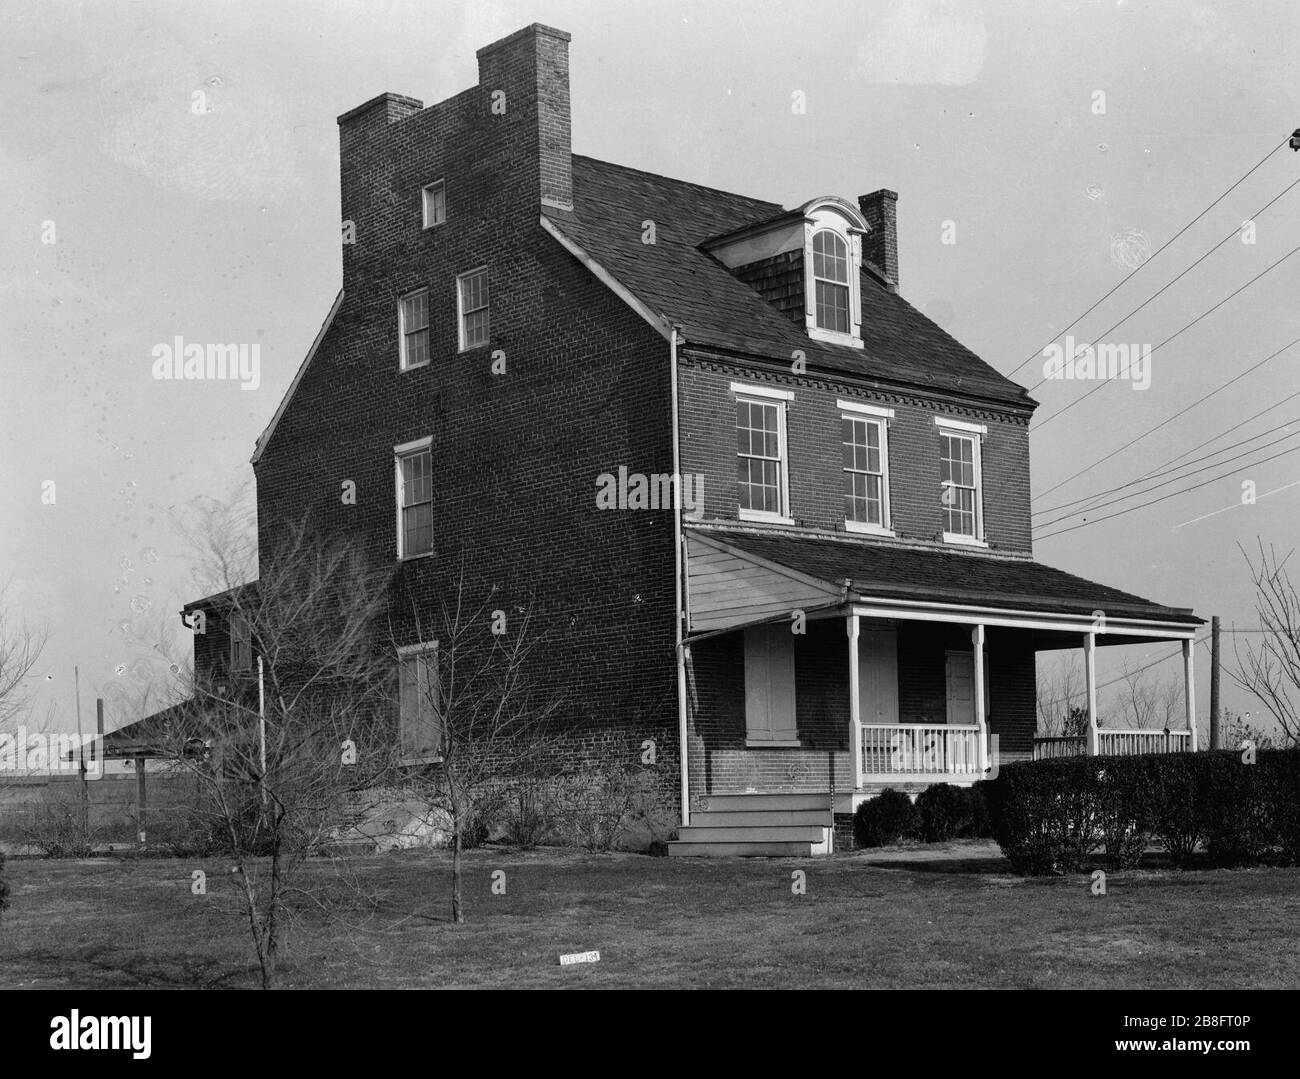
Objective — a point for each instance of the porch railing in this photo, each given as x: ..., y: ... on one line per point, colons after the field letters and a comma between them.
x: 919, y: 749
x: 1115, y: 743
x: 1046, y: 748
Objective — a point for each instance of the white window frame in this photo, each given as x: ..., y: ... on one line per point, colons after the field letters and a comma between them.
x: 404, y: 653
x: 975, y: 434
x: 403, y: 358
x: 407, y: 449
x: 461, y: 312
x: 440, y: 187
x: 768, y: 395
x: 860, y: 411
x: 828, y: 218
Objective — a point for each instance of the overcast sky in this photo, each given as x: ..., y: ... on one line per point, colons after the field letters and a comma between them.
x: 983, y: 116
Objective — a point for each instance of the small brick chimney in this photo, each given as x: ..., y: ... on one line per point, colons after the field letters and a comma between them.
x: 531, y: 68
x: 880, y: 245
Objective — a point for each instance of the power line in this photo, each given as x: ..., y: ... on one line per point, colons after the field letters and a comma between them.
x: 1234, y: 505
x: 1154, y: 256
x: 1101, y: 505
x: 1127, y: 675
x: 1177, y: 333
x: 1162, y: 498
x: 1158, y: 469
x: 1176, y: 415
x: 1235, y: 232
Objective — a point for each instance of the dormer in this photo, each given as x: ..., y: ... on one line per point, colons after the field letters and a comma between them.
x: 807, y: 263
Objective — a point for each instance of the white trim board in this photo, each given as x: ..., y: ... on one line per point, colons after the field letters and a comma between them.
x: 656, y: 321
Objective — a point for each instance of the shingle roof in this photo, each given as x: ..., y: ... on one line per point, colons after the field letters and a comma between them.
x: 715, y: 310
x: 896, y: 572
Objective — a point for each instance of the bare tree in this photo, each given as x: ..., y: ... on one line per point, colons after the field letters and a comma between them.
x: 1136, y: 698
x: 21, y: 646
x: 473, y: 717
x: 1239, y: 729
x: 1270, y: 667
x: 1061, y: 699
x: 276, y: 756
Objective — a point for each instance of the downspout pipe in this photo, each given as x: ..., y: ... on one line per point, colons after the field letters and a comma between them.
x: 679, y: 614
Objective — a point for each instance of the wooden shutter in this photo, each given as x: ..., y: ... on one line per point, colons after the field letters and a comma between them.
x: 961, y: 688
x: 878, y: 675
x: 420, y: 726
x: 769, y: 684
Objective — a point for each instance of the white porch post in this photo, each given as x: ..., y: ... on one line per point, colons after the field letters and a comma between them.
x: 1189, y: 689
x: 855, y: 703
x: 1090, y: 679
x: 981, y: 720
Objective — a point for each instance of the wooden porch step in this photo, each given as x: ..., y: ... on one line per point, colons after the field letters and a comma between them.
x: 735, y: 803
x: 679, y: 849
x: 761, y: 834
x: 778, y: 818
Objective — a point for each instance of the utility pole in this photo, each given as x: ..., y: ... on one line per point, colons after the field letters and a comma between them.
x: 261, y: 729
x: 81, y: 751
x: 97, y: 747
x: 1215, y: 742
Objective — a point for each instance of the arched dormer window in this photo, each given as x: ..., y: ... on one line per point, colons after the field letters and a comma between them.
x: 833, y: 231
x: 831, y: 290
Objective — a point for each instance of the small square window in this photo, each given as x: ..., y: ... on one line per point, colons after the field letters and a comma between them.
x: 472, y: 296
x: 434, y: 202
x: 413, y: 324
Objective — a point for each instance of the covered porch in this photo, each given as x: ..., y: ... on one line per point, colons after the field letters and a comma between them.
x: 832, y: 668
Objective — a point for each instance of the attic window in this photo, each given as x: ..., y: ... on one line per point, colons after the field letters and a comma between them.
x: 831, y: 282
x: 832, y: 259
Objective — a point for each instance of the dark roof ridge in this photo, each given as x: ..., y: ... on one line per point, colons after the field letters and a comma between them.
x: 681, y: 183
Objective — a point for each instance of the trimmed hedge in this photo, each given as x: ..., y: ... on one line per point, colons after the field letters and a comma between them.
x: 885, y: 819
x: 1053, y: 816
x: 948, y: 812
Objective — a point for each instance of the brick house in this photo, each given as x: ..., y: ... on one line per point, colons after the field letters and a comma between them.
x: 531, y: 346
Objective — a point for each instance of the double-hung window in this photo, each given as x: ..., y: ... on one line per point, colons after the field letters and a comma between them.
x: 831, y: 291
x: 414, y: 498
x: 762, y: 467
x: 960, y: 476
x: 433, y: 204
x: 865, y: 452
x: 413, y: 324
x: 472, y: 298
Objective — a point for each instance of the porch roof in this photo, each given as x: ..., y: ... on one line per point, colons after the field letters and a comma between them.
x: 851, y: 570
x: 145, y: 737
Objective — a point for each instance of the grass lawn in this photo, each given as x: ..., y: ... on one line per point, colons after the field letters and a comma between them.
x: 945, y: 916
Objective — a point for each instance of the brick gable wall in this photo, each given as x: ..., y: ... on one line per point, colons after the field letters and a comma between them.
x: 515, y: 456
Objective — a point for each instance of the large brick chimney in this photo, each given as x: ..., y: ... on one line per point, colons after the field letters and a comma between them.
x: 531, y: 69
x: 501, y: 149
x: 880, y: 245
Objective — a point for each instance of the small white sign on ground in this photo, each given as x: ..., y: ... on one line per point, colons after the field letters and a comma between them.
x: 579, y: 957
